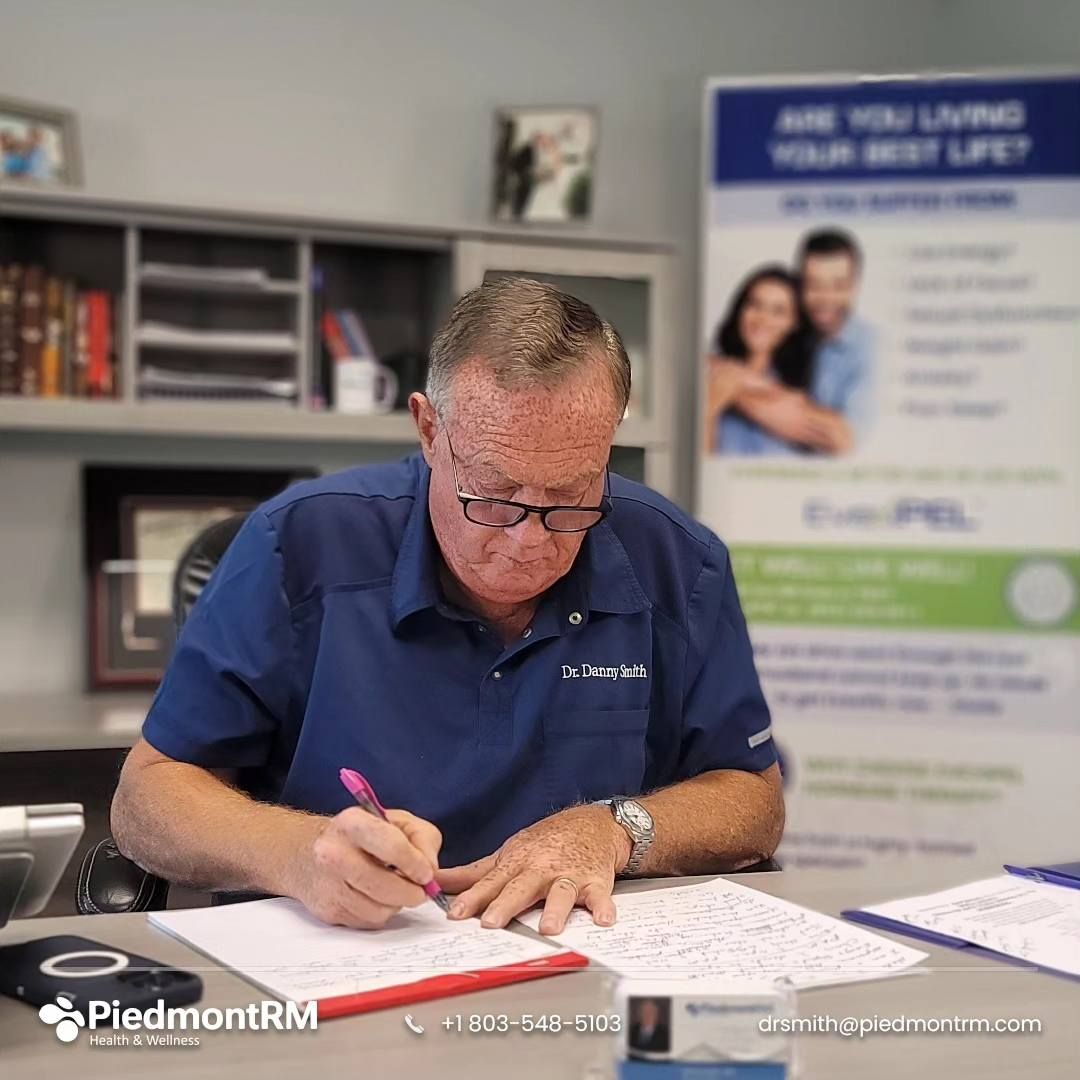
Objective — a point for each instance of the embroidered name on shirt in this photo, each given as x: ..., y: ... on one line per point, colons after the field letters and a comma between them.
x: 593, y: 671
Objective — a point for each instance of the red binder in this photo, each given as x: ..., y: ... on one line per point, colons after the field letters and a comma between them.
x: 441, y: 986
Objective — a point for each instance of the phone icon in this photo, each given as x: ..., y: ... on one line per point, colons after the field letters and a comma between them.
x: 413, y: 1026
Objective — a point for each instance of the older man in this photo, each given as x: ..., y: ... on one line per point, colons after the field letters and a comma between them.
x: 496, y: 632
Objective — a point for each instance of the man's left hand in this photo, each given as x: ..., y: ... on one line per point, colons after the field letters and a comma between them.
x: 568, y: 859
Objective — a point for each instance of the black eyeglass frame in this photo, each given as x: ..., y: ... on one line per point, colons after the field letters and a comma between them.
x: 466, y: 499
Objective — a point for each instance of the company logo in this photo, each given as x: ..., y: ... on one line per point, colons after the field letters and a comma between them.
x: 931, y: 515
x: 65, y: 1019
x: 157, y: 1024
x: 716, y: 1008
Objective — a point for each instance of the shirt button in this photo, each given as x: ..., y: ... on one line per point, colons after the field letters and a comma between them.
x: 575, y: 618
x: 527, y: 632
x: 481, y: 628
x: 496, y: 674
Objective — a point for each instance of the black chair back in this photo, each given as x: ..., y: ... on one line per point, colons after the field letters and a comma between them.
x: 198, y: 562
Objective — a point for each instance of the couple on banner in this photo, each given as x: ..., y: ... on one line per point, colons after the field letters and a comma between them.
x: 791, y: 367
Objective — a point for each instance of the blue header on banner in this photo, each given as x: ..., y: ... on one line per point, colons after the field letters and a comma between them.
x: 956, y: 128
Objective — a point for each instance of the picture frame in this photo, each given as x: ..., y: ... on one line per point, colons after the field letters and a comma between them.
x: 39, y: 145
x: 138, y: 521
x: 544, y: 163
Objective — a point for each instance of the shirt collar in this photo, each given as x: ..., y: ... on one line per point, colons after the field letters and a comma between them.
x: 601, y: 579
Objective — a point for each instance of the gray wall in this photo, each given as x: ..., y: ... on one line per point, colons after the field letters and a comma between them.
x: 382, y: 110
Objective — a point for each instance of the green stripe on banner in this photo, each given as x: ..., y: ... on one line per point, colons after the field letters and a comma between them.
x: 910, y: 588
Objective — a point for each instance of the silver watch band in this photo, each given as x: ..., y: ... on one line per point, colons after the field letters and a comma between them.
x: 641, y: 834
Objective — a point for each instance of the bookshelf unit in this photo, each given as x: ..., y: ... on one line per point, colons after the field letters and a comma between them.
x: 402, y: 280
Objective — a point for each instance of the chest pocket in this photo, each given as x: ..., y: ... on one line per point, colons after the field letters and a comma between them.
x: 591, y: 754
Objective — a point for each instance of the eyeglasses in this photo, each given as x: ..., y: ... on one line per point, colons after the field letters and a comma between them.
x: 503, y: 513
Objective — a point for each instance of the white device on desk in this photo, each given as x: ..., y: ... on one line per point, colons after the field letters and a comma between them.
x: 36, y: 844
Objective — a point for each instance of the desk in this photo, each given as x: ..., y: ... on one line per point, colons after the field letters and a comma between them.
x: 378, y: 1046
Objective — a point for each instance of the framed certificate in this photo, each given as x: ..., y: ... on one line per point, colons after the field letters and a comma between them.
x: 138, y: 524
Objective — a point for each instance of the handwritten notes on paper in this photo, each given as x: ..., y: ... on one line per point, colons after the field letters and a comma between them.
x: 721, y: 929
x: 279, y: 946
x: 1033, y: 921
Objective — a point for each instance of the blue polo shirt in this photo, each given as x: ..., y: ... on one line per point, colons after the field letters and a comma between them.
x: 323, y: 640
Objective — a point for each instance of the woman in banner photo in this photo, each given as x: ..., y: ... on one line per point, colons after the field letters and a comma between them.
x: 791, y: 368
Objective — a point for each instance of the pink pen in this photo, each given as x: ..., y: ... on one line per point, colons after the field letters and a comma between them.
x: 365, y: 796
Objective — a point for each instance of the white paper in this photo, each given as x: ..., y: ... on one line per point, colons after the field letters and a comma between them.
x: 157, y: 378
x: 721, y: 929
x: 1033, y: 921
x: 228, y: 274
x: 159, y: 333
x: 279, y: 946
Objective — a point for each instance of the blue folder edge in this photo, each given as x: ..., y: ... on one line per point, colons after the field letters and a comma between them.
x: 1068, y: 873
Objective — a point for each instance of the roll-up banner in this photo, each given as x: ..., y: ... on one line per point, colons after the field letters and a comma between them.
x: 891, y: 449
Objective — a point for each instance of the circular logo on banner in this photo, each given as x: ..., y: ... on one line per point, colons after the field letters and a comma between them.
x: 1041, y: 592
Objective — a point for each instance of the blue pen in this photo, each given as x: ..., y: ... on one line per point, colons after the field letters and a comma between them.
x: 1066, y: 874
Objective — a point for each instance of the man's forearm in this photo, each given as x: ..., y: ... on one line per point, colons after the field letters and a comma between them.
x: 187, y: 826
x: 716, y: 822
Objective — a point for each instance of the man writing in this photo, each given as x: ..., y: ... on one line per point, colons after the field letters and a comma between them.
x: 438, y: 624
x: 836, y: 411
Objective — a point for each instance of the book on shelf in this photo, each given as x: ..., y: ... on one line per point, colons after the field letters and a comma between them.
x: 345, y: 336
x: 52, y: 343
x: 31, y: 330
x: 10, y: 362
x: 56, y: 339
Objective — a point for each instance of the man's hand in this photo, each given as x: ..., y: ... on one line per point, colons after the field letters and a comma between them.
x: 343, y: 875
x: 570, y: 858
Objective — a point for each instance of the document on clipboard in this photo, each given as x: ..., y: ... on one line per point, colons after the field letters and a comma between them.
x: 1030, y: 915
x: 419, y: 955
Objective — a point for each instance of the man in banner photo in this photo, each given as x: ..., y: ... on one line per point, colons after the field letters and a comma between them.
x: 791, y: 369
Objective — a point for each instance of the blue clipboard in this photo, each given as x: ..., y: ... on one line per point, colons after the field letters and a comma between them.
x: 1066, y: 874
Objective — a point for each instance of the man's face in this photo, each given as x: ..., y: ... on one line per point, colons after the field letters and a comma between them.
x: 648, y: 1013
x: 540, y: 446
x: 829, y: 286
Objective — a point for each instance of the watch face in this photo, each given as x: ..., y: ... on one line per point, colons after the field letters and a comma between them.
x: 637, y: 815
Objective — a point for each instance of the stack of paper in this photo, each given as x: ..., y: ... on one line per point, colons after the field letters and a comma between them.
x: 279, y: 946
x: 166, y: 335
x: 720, y: 928
x: 167, y: 383
x: 716, y: 929
x: 224, y: 275
x: 1028, y: 920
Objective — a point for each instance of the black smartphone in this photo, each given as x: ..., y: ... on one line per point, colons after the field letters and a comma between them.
x: 82, y: 971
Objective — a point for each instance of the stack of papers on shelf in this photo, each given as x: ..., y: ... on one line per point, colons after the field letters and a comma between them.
x: 156, y: 382
x: 220, y: 275
x: 169, y: 336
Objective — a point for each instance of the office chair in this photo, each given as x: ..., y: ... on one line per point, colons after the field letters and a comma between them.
x: 108, y: 882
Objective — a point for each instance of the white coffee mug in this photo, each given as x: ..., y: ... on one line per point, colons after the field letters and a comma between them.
x: 363, y: 386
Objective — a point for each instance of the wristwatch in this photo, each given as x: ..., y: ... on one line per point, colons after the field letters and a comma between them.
x: 638, y: 823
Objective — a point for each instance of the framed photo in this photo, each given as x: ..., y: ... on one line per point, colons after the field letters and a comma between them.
x: 39, y: 144
x: 138, y: 523
x: 544, y: 163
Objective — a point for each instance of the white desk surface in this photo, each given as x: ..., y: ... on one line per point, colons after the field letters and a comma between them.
x: 378, y: 1046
